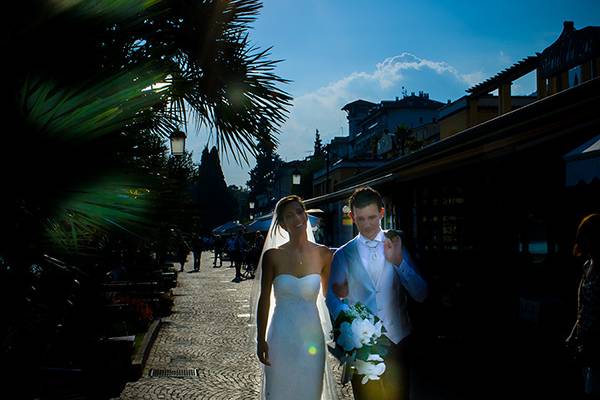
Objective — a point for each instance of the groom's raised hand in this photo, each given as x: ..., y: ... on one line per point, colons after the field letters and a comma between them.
x: 392, y: 248
x: 262, y: 350
x: 340, y: 289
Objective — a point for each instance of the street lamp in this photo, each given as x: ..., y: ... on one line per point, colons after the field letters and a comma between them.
x: 296, y: 177
x: 177, y: 143
x: 251, y: 206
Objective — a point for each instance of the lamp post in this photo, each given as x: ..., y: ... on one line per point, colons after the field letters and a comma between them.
x: 251, y: 206
x: 177, y: 143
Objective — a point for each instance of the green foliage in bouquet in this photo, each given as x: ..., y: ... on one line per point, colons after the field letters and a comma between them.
x: 379, y: 346
x: 360, y: 343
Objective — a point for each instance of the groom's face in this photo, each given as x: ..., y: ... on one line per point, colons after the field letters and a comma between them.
x: 367, y: 219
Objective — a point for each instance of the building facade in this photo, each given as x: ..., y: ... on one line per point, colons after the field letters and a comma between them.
x: 490, y: 213
x: 371, y: 132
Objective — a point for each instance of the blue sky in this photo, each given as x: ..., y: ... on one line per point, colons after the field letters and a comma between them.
x: 336, y: 51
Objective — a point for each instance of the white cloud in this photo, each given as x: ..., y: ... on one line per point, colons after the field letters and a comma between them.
x: 473, y: 78
x: 321, y: 108
x: 388, y: 72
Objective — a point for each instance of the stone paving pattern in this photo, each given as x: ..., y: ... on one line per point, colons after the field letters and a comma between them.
x: 208, y: 331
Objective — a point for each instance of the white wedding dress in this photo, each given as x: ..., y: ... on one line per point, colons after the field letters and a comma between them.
x: 295, y: 339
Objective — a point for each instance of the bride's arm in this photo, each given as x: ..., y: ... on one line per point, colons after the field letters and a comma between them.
x: 264, y: 302
x: 326, y: 257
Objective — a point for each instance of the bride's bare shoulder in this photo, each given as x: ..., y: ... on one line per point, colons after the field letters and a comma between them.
x: 323, y: 250
x: 272, y: 254
x: 321, y: 247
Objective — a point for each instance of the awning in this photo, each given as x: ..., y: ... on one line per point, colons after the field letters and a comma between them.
x: 260, y: 224
x: 228, y: 228
x: 345, y: 193
x: 583, y: 163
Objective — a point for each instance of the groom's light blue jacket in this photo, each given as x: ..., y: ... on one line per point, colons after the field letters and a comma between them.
x: 386, y: 297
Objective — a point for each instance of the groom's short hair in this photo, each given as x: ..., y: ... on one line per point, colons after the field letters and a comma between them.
x: 365, y: 196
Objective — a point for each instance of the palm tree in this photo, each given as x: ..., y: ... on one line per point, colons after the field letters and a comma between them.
x: 91, y: 89
x: 89, y: 83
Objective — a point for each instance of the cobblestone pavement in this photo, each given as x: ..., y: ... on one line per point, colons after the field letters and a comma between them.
x: 207, y: 332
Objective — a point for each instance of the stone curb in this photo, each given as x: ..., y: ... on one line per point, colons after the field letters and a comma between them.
x: 140, y: 358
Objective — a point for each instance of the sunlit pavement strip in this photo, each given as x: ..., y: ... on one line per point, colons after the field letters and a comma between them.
x: 207, y: 331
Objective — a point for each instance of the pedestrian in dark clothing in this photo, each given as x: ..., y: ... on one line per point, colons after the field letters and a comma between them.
x: 255, y: 251
x: 219, y: 245
x: 585, y: 335
x: 197, y: 248
x: 237, y: 250
x: 182, y: 251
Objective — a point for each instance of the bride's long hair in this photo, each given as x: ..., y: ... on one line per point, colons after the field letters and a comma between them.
x: 280, y: 208
x: 276, y: 237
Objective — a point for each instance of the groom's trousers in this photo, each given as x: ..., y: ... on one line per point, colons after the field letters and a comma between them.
x: 394, y: 384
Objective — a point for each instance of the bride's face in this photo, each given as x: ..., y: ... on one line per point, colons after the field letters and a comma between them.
x: 294, y: 218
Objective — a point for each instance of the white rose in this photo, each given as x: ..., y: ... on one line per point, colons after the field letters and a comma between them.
x: 370, y: 370
x: 378, y: 327
x: 362, y: 330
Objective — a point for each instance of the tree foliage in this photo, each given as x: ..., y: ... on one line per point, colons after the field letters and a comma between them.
x: 94, y: 87
x: 241, y: 196
x: 318, y: 150
x: 262, y: 176
x: 213, y: 200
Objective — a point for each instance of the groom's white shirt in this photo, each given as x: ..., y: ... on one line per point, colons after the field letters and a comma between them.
x: 376, y: 283
x: 371, y: 254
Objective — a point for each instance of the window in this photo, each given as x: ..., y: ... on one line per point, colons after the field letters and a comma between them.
x: 390, y: 218
x: 442, y: 220
x: 534, y: 240
x: 575, y: 76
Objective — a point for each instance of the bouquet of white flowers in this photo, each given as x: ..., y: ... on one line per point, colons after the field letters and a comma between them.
x: 360, y: 342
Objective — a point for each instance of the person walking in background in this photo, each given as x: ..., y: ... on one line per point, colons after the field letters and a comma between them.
x: 182, y: 251
x: 585, y: 335
x: 237, y: 254
x: 219, y: 244
x: 255, y: 251
x: 197, y: 247
x: 230, y: 249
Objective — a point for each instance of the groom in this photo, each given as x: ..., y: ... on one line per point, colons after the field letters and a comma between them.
x: 373, y: 270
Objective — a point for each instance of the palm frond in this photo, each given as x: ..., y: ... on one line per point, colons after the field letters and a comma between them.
x: 95, y: 109
x: 111, y: 10
x: 116, y: 202
x: 228, y: 84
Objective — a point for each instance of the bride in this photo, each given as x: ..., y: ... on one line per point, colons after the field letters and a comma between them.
x: 291, y: 334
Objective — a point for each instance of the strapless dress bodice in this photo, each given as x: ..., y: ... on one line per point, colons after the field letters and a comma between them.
x: 289, y: 287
